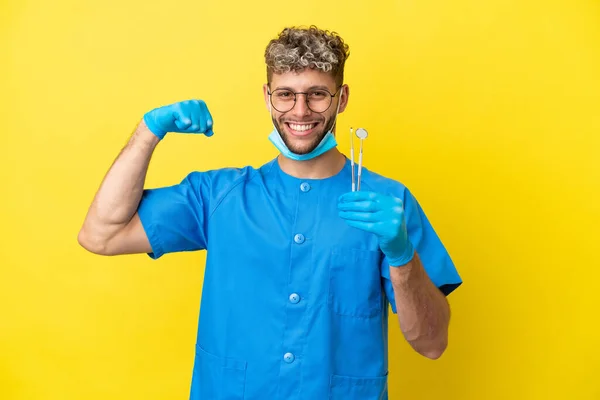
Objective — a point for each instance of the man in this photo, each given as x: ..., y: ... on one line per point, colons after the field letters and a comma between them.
x: 300, y: 269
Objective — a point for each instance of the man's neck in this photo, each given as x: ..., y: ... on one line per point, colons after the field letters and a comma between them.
x: 324, y: 166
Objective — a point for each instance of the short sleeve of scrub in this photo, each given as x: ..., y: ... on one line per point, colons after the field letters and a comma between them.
x: 174, y: 217
x: 433, y: 255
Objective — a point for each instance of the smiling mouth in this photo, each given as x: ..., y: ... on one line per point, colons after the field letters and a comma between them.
x: 301, y: 129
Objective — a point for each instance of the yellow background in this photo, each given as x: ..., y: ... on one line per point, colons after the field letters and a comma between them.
x: 488, y: 110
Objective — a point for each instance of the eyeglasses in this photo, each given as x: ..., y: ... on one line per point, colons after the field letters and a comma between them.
x: 317, y: 100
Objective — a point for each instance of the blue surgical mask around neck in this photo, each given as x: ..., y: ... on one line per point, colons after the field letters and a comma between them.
x: 327, y: 143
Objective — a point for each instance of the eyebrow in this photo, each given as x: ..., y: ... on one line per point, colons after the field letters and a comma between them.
x: 322, y: 87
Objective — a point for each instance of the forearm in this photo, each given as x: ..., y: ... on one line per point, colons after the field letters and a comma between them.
x: 120, y: 192
x: 422, y: 309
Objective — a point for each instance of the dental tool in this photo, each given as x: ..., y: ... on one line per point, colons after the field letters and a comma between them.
x: 361, y: 134
x: 352, y: 159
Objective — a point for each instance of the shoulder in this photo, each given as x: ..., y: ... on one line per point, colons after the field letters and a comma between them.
x: 226, y: 178
x: 214, y: 185
x: 218, y: 182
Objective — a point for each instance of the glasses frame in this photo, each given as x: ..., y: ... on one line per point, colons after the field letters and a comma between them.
x: 305, y: 99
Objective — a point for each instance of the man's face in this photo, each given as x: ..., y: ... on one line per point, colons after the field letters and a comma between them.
x: 301, y: 128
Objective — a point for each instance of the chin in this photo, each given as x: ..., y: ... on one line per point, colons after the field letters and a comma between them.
x: 302, y: 146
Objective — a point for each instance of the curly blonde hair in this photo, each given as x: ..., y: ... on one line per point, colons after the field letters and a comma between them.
x: 297, y: 48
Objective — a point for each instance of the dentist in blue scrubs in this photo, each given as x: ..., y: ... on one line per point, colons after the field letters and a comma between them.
x: 300, y: 271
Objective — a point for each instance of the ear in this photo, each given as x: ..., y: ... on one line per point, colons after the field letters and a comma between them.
x: 266, y: 95
x: 344, y: 96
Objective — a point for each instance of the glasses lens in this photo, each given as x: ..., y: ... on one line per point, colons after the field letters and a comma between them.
x: 319, y: 100
x: 283, y: 100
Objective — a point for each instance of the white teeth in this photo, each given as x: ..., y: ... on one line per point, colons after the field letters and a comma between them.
x: 301, y: 128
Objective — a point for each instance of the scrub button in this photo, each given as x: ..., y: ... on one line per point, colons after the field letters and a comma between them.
x: 299, y: 238
x: 288, y: 358
x: 305, y: 187
x: 294, y: 298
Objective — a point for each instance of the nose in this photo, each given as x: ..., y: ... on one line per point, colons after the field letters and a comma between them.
x: 301, y: 107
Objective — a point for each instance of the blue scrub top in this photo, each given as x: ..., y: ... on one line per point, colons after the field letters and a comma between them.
x: 295, y: 302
